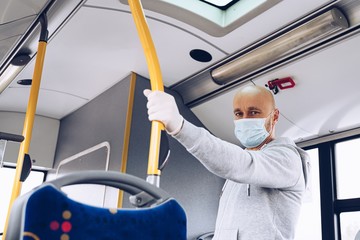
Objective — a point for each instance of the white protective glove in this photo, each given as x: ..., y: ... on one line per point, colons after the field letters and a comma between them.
x: 162, y: 107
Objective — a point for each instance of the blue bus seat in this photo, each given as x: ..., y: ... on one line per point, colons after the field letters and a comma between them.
x: 47, y: 213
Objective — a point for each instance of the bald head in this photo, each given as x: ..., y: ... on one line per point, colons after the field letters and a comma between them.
x: 253, y: 91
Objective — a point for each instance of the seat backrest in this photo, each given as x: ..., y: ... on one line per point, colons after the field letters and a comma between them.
x: 47, y: 213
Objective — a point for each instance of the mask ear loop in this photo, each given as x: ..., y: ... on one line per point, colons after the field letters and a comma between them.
x: 275, y: 120
x: 267, y: 140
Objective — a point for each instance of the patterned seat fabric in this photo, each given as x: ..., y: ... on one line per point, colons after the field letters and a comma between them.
x: 50, y: 214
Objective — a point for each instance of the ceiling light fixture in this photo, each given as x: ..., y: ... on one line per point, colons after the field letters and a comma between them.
x: 12, y: 70
x: 316, y: 29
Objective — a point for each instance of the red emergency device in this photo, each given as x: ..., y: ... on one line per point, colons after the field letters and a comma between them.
x: 280, y: 83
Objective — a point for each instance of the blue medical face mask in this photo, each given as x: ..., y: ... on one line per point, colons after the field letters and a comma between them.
x: 251, y: 132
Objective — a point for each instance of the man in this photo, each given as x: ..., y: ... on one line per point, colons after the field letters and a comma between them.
x: 265, y: 182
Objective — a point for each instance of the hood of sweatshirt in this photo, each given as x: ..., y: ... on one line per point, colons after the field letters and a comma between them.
x: 305, y: 158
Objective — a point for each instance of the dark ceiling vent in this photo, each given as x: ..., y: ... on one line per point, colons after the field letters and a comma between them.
x: 200, y: 55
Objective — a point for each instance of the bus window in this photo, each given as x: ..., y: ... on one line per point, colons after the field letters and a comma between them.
x: 350, y: 225
x: 7, y: 175
x: 309, y: 224
x: 347, y: 155
x: 347, y: 162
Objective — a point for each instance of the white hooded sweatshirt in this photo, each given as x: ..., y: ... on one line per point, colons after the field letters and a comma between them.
x: 262, y: 195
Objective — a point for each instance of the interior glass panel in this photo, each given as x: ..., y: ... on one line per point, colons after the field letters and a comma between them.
x: 309, y: 224
x: 347, y: 160
x: 350, y: 225
x: 7, y: 175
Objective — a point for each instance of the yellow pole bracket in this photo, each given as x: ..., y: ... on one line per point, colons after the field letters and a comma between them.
x: 155, y: 81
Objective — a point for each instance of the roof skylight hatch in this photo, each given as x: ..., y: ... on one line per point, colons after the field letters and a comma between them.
x: 215, y: 17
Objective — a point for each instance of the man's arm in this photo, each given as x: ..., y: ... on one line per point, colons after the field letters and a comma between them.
x: 274, y: 167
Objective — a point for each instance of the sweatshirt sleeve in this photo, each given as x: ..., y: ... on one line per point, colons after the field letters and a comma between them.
x: 276, y: 166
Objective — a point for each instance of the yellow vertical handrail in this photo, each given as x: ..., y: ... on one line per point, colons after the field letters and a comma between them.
x: 155, y: 81
x: 125, y: 149
x: 30, y: 115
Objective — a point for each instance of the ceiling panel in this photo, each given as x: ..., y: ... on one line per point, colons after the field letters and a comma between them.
x: 105, y: 35
x: 96, y: 49
x: 12, y: 10
x: 16, y: 17
x: 50, y: 104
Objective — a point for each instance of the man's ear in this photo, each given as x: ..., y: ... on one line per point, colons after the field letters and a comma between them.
x: 276, y: 115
